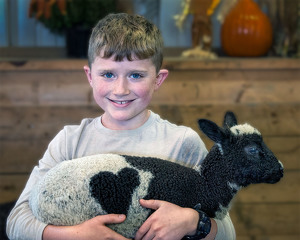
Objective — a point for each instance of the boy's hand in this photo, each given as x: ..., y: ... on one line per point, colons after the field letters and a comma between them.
x: 94, y: 228
x: 169, y: 221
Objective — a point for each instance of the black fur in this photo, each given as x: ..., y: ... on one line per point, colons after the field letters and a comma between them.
x: 184, y: 186
x: 229, y: 120
x: 165, y: 185
x: 114, y: 192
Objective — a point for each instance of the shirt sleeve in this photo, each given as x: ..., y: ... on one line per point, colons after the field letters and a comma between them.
x: 193, y: 149
x: 21, y: 223
x: 226, y: 229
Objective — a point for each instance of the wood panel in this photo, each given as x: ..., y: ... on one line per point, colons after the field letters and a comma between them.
x: 171, y: 63
x: 11, y: 186
x: 266, y: 219
x: 19, y: 156
x: 32, y: 122
x: 270, y: 119
x: 286, y: 190
x: 257, y: 64
x: 204, y: 87
x: 44, y: 88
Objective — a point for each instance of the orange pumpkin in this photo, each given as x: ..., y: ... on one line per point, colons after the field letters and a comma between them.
x: 246, y: 31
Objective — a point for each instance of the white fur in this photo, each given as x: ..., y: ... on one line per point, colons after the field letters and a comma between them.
x: 220, y: 148
x: 280, y: 163
x: 234, y: 186
x: 198, y: 168
x: 222, y: 212
x: 244, y: 129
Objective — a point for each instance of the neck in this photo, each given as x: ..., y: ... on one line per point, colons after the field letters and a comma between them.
x: 219, y: 188
x: 114, y: 123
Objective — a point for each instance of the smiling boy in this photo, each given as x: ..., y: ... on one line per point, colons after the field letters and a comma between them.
x: 124, y: 71
x: 124, y: 90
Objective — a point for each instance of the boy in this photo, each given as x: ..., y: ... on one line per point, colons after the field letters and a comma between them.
x: 125, y: 57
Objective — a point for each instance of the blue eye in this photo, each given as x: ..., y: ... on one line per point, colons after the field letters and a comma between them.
x: 136, y: 75
x: 108, y: 75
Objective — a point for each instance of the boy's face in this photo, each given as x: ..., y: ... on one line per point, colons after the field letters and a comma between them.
x: 124, y: 90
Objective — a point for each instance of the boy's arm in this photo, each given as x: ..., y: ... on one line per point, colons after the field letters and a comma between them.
x: 21, y: 223
x: 92, y: 229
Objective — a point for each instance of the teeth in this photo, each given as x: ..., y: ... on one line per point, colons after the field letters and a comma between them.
x: 121, y: 102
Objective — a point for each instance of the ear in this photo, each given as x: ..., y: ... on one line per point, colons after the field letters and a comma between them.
x: 211, y: 130
x: 229, y: 120
x: 160, y: 78
x: 88, y: 74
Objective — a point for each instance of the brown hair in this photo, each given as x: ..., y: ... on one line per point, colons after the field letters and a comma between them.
x: 122, y: 35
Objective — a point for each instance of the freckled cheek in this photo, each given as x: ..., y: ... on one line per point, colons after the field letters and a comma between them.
x: 100, y: 90
x: 144, y: 93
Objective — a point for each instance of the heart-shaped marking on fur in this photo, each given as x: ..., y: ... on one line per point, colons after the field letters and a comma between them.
x: 114, y: 191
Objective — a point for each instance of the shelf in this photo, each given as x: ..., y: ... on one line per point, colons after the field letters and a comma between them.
x: 171, y: 63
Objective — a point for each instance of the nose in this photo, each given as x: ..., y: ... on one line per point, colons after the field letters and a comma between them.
x: 120, y: 87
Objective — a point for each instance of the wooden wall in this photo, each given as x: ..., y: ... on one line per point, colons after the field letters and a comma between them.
x: 37, y: 98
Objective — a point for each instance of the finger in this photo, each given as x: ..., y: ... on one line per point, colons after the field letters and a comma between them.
x: 117, y: 236
x: 143, y: 230
x: 153, y: 204
x: 112, y: 218
x: 148, y: 236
